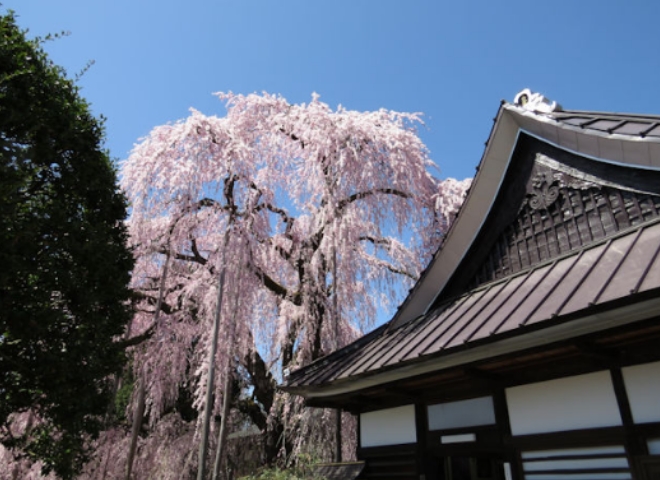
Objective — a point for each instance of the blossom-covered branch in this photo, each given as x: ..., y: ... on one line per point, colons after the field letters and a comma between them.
x: 331, y: 211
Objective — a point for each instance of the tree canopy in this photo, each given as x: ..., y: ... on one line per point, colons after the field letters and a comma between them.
x: 316, y: 217
x: 65, y: 266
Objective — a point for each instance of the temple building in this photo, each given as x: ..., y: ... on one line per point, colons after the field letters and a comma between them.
x: 529, y: 349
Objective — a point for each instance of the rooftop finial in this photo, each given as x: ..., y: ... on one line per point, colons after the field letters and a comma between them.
x: 535, y: 102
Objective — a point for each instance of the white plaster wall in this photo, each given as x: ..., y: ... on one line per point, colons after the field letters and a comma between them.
x: 643, y: 388
x: 572, y: 403
x: 464, y: 413
x: 388, y: 427
x: 654, y: 446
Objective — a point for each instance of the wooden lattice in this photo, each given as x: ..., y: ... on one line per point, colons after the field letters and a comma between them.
x: 550, y: 226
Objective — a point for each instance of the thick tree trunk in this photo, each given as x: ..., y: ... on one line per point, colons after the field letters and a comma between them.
x: 274, y: 441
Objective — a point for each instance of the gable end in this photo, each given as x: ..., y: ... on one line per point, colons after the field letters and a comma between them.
x: 551, y: 203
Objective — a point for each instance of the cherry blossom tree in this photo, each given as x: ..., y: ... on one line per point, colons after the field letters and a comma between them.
x: 315, y: 218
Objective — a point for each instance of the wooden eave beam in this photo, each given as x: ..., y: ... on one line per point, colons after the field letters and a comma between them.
x: 602, y: 355
x: 479, y: 374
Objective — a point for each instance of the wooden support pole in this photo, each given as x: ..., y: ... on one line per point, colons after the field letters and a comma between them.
x: 208, y: 405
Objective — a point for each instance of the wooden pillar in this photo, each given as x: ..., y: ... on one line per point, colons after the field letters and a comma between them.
x: 635, y: 446
x: 504, y: 428
x: 338, y: 439
x: 421, y: 425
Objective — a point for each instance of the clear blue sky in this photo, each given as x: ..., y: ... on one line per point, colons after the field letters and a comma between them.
x: 454, y: 61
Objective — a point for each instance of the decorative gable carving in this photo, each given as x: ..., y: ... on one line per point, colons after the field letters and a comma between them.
x: 545, y: 191
x: 563, y: 209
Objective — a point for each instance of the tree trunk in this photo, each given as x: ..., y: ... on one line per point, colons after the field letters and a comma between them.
x: 274, y: 438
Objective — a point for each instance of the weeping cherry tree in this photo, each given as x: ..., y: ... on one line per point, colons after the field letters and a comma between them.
x: 317, y: 217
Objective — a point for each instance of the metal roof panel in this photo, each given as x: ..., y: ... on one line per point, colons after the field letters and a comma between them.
x: 560, y: 278
x: 600, y: 272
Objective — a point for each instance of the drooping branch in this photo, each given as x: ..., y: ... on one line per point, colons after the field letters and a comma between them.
x: 315, y: 240
x: 277, y: 288
x: 340, y: 162
x: 279, y: 211
x: 397, y: 271
x: 198, y: 256
x: 360, y: 195
x: 271, y: 284
x: 293, y: 137
x: 375, y: 241
x: 161, y: 305
x: 283, y: 214
x: 139, y: 295
x: 208, y: 202
x: 386, y: 242
x: 138, y: 339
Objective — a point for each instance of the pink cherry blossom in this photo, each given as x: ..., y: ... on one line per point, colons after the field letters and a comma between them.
x: 331, y: 216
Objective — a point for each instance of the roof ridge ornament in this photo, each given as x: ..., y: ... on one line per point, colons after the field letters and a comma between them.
x: 535, y: 102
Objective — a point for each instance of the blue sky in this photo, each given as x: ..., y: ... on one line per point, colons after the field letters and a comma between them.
x: 454, y: 61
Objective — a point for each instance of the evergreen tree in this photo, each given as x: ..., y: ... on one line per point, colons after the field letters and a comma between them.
x: 64, y: 264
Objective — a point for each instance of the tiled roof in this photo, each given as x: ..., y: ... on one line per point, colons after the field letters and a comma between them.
x: 621, y: 268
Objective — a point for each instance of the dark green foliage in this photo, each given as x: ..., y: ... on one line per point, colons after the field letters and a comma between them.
x: 123, y: 397
x: 64, y: 266
x: 275, y: 473
x: 302, y: 470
